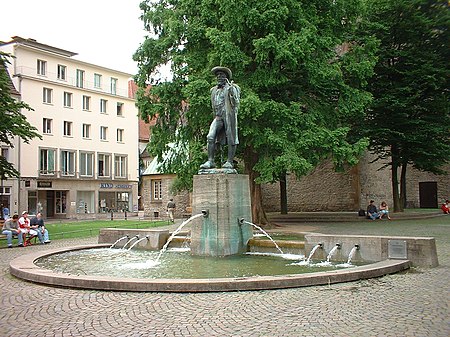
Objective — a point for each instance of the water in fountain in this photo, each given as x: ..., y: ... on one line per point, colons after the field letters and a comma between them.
x: 265, y: 233
x: 133, y: 238
x: 352, y: 254
x: 115, y: 243
x: 134, y: 244
x: 178, y: 230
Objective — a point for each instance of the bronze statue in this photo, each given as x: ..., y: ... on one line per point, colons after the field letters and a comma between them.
x: 223, y: 130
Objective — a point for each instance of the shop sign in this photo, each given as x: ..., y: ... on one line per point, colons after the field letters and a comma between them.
x: 106, y: 185
x: 123, y: 186
x: 44, y: 184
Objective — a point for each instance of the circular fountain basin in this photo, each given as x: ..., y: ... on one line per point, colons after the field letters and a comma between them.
x: 25, y: 267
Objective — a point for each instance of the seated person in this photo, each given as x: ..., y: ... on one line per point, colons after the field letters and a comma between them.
x: 37, y: 223
x: 384, y: 210
x: 10, y: 228
x: 372, y: 211
x: 446, y: 207
x: 24, y: 227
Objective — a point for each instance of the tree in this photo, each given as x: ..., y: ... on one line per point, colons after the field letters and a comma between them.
x: 409, y: 120
x: 301, y: 70
x: 13, y: 122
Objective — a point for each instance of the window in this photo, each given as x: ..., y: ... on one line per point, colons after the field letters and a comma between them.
x: 86, y: 131
x: 157, y: 189
x: 103, y: 105
x: 86, y: 103
x: 104, y: 165
x: 113, y: 86
x: 60, y: 202
x: 103, y: 132
x: 120, y: 135
x: 47, y: 94
x: 47, y: 125
x: 119, y: 109
x: 67, y: 163
x: 61, y: 72
x: 120, y: 166
x: 80, y: 78
x: 41, y: 67
x: 47, y: 161
x: 5, y: 152
x: 86, y: 164
x: 97, y: 81
x: 67, y: 99
x: 67, y: 128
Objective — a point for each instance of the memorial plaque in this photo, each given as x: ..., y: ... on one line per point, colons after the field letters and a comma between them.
x: 397, y: 249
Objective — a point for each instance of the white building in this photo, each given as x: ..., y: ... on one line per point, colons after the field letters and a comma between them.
x: 87, y: 161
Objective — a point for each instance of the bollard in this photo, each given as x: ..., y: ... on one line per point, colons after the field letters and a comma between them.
x: 126, y: 215
x: 112, y: 216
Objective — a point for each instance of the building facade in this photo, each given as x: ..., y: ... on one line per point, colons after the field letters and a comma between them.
x: 86, y: 163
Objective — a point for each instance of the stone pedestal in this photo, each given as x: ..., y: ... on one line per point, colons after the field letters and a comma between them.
x: 226, y: 197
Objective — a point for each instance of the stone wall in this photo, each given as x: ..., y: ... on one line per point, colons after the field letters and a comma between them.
x: 322, y: 190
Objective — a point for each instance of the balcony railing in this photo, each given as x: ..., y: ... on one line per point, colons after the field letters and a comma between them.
x: 72, y: 81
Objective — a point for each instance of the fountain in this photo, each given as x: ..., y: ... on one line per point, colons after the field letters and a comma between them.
x: 352, y: 254
x: 332, y: 251
x: 220, y: 201
x: 242, y: 222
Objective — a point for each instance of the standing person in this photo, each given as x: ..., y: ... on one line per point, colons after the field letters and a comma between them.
x: 5, y: 211
x: 225, y: 98
x: 37, y: 223
x: 372, y: 211
x: 10, y: 228
x: 171, y: 209
x: 24, y: 227
x: 384, y: 210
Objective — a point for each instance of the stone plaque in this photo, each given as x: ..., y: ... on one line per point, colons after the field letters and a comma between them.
x: 397, y: 249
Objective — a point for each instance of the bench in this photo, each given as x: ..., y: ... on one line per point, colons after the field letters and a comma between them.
x: 187, y: 213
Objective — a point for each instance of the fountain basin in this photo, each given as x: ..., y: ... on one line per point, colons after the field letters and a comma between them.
x: 25, y: 268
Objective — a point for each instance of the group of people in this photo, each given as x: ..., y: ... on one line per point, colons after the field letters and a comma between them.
x: 25, y: 229
x: 377, y: 213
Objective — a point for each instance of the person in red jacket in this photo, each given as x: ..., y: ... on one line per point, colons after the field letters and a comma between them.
x: 446, y: 207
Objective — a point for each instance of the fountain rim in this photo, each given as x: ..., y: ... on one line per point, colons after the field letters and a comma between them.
x: 24, y: 268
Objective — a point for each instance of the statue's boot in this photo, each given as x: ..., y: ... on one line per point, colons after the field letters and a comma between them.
x: 210, y: 163
x: 231, y: 152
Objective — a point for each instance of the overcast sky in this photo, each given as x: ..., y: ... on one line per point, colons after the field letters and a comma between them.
x: 102, y: 32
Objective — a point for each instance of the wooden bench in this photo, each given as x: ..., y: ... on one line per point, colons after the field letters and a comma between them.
x: 187, y: 213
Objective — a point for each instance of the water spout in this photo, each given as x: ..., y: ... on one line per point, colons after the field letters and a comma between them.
x: 122, y: 238
x: 242, y: 222
x: 319, y: 245
x: 164, y: 248
x: 134, y: 244
x: 332, y: 251
x: 132, y: 239
x: 352, y: 254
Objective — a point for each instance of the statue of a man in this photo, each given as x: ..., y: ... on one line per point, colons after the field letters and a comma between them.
x: 223, y: 130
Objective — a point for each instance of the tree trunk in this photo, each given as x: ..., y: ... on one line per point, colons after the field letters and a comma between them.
x: 283, y: 194
x: 394, y: 180
x: 258, y: 215
x: 403, y: 187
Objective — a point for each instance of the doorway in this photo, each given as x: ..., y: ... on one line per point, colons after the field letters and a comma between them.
x: 428, y: 194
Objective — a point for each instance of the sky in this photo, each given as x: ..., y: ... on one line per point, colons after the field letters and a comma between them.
x: 102, y: 32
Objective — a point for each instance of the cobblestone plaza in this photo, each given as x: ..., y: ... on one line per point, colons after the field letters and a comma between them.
x: 414, y: 303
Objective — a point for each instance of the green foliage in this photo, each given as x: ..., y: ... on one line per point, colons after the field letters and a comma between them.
x: 409, y: 121
x: 301, y: 69
x: 13, y: 122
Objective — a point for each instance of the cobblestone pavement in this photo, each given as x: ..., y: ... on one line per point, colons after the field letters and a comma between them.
x: 414, y: 303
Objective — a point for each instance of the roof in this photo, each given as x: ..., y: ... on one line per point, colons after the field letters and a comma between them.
x: 33, y: 43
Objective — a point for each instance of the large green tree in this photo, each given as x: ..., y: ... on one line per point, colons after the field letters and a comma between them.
x: 409, y: 121
x: 13, y: 122
x: 301, y: 69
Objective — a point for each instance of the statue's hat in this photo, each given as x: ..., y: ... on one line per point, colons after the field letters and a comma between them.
x: 223, y: 69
